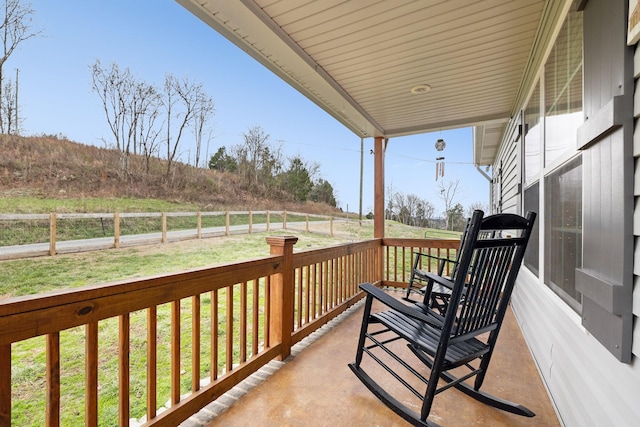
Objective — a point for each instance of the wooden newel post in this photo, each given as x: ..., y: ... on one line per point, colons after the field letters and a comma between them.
x: 282, y: 295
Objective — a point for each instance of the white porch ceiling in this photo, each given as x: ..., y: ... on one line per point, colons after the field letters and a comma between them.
x: 359, y: 59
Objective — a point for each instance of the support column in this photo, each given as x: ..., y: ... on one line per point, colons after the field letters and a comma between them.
x: 378, y: 188
x: 282, y: 295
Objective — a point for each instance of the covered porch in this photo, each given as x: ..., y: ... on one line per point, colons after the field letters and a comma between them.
x: 314, y: 386
x: 383, y: 69
x: 217, y: 327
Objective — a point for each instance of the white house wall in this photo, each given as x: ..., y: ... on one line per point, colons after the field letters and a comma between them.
x: 507, y: 191
x: 588, y: 385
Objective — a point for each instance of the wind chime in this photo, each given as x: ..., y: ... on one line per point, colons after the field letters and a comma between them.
x: 440, y: 145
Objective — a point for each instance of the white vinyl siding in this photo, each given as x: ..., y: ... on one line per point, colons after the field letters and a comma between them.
x: 507, y: 189
x: 588, y: 385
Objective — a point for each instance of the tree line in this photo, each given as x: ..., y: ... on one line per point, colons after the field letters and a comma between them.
x: 261, y: 167
x: 412, y: 210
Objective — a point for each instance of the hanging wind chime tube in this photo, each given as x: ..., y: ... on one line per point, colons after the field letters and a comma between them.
x: 440, y: 145
x: 439, y: 167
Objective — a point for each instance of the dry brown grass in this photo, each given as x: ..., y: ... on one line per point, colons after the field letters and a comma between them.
x: 54, y: 167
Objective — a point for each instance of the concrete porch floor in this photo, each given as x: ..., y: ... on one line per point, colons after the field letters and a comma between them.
x: 315, y: 387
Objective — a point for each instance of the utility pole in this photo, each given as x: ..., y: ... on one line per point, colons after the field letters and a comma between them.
x: 17, y: 132
x: 361, y: 172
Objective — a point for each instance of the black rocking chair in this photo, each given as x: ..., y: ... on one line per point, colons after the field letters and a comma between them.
x: 436, y: 296
x: 464, y: 338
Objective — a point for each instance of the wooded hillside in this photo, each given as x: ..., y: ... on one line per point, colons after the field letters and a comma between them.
x: 54, y: 167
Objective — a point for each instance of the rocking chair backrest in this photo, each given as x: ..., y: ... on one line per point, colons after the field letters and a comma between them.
x: 487, y: 270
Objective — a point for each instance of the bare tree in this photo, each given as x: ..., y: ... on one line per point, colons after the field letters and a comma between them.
x: 114, y: 87
x: 201, y: 117
x: 8, y: 108
x: 180, y: 103
x: 449, y: 190
x: 258, y: 161
x: 147, y: 112
x: 132, y: 110
x: 477, y: 206
x: 15, y: 27
x: 413, y: 202
x: 424, y: 212
x: 389, y: 194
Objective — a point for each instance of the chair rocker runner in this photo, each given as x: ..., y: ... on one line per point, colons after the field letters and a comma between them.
x: 462, y: 340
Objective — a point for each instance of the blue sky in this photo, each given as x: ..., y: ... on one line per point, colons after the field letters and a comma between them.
x: 156, y: 37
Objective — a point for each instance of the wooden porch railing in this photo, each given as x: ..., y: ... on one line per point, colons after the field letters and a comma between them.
x: 213, y: 327
x: 399, y: 256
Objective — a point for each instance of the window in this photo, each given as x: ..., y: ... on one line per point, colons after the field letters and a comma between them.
x: 551, y: 118
x: 563, y: 230
x: 563, y: 186
x: 563, y: 90
x: 532, y: 137
x: 532, y: 133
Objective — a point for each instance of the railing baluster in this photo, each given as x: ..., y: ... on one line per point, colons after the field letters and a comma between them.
x: 345, y: 274
x: 195, y: 343
x: 267, y: 310
x: 175, y: 352
x: 339, y: 278
x: 307, y: 293
x: 53, y: 379
x: 213, y: 374
x: 336, y: 272
x: 152, y: 361
x: 243, y: 322
x: 229, y: 330
x: 91, y: 375
x: 314, y: 292
x: 326, y: 278
x: 387, y: 273
x: 124, y: 369
x: 299, y: 299
x: 5, y: 384
x: 321, y: 290
x: 256, y: 317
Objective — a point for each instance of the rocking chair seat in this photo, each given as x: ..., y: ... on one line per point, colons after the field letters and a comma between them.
x: 425, y: 337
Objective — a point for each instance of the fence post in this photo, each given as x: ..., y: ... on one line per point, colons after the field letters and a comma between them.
x: 284, y: 220
x: 268, y: 220
x: 306, y: 217
x: 250, y: 221
x: 52, y: 234
x: 227, y: 225
x: 164, y: 227
x: 199, y: 233
x: 116, y: 230
x: 331, y: 226
x: 282, y: 295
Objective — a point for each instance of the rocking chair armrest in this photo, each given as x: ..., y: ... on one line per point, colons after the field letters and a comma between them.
x: 438, y: 279
x: 408, y: 310
x: 440, y: 258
